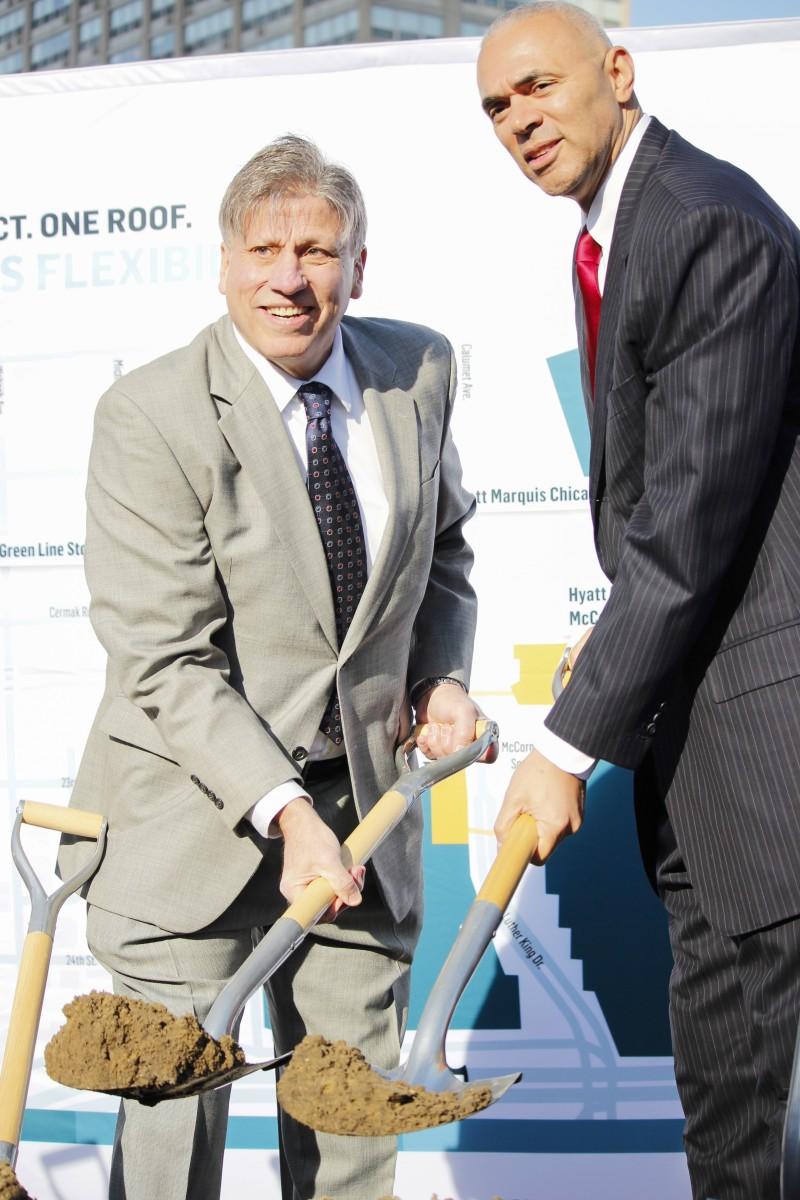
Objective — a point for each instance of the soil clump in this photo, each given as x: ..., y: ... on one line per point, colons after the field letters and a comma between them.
x: 331, y: 1087
x: 10, y: 1186
x: 111, y: 1043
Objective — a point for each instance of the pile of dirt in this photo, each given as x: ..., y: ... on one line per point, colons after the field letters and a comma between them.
x: 113, y: 1042
x: 10, y: 1186
x: 331, y: 1087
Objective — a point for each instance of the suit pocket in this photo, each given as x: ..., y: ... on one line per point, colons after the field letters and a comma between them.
x: 756, y: 662
x: 127, y: 723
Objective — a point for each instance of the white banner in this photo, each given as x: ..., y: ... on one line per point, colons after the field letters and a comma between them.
x: 108, y: 257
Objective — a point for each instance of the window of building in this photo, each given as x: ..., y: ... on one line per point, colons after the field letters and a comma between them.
x: 11, y: 22
x: 127, y: 16
x: 341, y: 28
x: 163, y: 44
x: 282, y: 42
x: 44, y: 10
x: 90, y: 33
x: 474, y: 28
x: 203, y: 30
x: 256, y: 11
x: 11, y: 63
x: 129, y: 54
x: 394, y: 24
x: 52, y: 49
x: 160, y: 8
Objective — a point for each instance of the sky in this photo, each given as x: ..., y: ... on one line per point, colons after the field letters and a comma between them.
x: 689, y: 12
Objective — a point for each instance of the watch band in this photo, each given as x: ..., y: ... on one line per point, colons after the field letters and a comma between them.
x: 425, y: 685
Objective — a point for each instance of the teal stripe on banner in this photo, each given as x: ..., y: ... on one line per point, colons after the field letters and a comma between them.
x: 499, y: 1137
x: 566, y: 372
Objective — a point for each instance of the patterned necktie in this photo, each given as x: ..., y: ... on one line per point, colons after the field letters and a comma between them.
x: 587, y: 265
x: 333, y: 497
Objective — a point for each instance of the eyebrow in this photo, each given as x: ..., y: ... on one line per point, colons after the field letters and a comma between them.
x: 523, y: 81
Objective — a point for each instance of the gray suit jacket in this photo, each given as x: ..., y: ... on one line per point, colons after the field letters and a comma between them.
x: 695, y: 493
x: 211, y: 595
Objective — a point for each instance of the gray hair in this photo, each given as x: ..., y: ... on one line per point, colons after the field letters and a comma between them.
x: 582, y: 20
x: 294, y: 166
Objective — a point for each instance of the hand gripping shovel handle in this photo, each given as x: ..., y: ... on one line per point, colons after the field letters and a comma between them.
x: 291, y: 928
x: 26, y: 1008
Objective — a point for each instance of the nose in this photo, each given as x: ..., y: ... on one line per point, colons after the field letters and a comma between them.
x: 286, y: 275
x: 525, y: 114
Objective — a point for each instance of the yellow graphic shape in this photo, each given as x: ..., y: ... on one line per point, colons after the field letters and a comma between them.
x: 449, y: 826
x: 537, y: 665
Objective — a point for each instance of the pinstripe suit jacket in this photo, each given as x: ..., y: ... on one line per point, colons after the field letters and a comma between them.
x: 211, y: 595
x: 695, y: 494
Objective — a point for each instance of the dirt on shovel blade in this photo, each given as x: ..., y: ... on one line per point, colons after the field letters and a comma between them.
x: 113, y: 1042
x: 10, y: 1186
x: 331, y: 1087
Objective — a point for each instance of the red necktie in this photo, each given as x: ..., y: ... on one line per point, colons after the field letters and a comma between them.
x: 587, y: 263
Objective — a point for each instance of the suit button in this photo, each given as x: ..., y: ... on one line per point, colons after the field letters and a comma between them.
x: 650, y: 729
x: 219, y: 803
x: 212, y: 797
x: 194, y: 779
x: 299, y: 753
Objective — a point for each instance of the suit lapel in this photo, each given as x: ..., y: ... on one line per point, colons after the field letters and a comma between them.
x: 393, y: 420
x: 254, y: 430
x: 641, y: 168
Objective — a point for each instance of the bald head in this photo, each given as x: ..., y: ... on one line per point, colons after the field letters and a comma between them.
x: 586, y: 26
x: 559, y: 95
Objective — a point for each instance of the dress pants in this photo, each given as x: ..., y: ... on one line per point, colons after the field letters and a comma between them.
x: 350, y: 979
x: 734, y: 1007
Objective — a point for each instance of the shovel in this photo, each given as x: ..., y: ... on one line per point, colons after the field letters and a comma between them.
x: 26, y: 1008
x: 291, y: 928
x: 426, y: 1066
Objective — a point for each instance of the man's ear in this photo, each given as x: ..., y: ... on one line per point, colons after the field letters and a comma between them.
x: 224, y: 263
x: 621, y: 72
x: 358, y: 274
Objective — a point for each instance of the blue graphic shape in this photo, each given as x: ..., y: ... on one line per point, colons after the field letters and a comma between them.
x: 618, y: 926
x: 565, y: 370
x: 492, y: 999
x: 497, y: 1136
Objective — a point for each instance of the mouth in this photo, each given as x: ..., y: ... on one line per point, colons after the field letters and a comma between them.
x: 542, y: 155
x: 286, y: 315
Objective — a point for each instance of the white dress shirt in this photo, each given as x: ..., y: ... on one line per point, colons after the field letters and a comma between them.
x: 599, y: 221
x: 353, y: 434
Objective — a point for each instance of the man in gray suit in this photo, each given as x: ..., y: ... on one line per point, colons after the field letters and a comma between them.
x: 688, y: 305
x: 278, y: 574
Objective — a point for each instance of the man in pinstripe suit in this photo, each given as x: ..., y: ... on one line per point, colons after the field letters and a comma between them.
x: 692, y: 674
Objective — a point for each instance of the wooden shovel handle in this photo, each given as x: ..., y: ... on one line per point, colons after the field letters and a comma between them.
x: 512, y: 859
x: 21, y: 1037
x: 65, y: 820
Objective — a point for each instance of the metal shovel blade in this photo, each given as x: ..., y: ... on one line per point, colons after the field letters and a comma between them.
x: 151, y: 1096
x: 426, y: 1066
x: 283, y: 938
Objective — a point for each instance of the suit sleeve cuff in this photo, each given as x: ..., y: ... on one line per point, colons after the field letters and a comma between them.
x: 562, y: 754
x: 263, y: 813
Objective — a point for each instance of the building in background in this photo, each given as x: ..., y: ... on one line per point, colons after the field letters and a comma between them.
x: 39, y: 35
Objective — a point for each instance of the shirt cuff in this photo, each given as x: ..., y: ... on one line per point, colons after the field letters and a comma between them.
x: 262, y: 815
x: 562, y: 754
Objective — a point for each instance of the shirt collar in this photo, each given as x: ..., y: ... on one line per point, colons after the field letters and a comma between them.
x: 283, y: 387
x: 602, y: 212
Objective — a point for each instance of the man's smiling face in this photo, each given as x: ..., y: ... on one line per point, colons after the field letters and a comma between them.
x: 288, y: 281
x: 555, y: 95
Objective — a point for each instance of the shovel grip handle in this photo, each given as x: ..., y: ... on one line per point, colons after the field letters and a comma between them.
x: 512, y: 859
x: 21, y: 1037
x: 66, y: 820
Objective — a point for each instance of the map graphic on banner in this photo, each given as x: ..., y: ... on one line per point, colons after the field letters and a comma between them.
x: 108, y: 257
